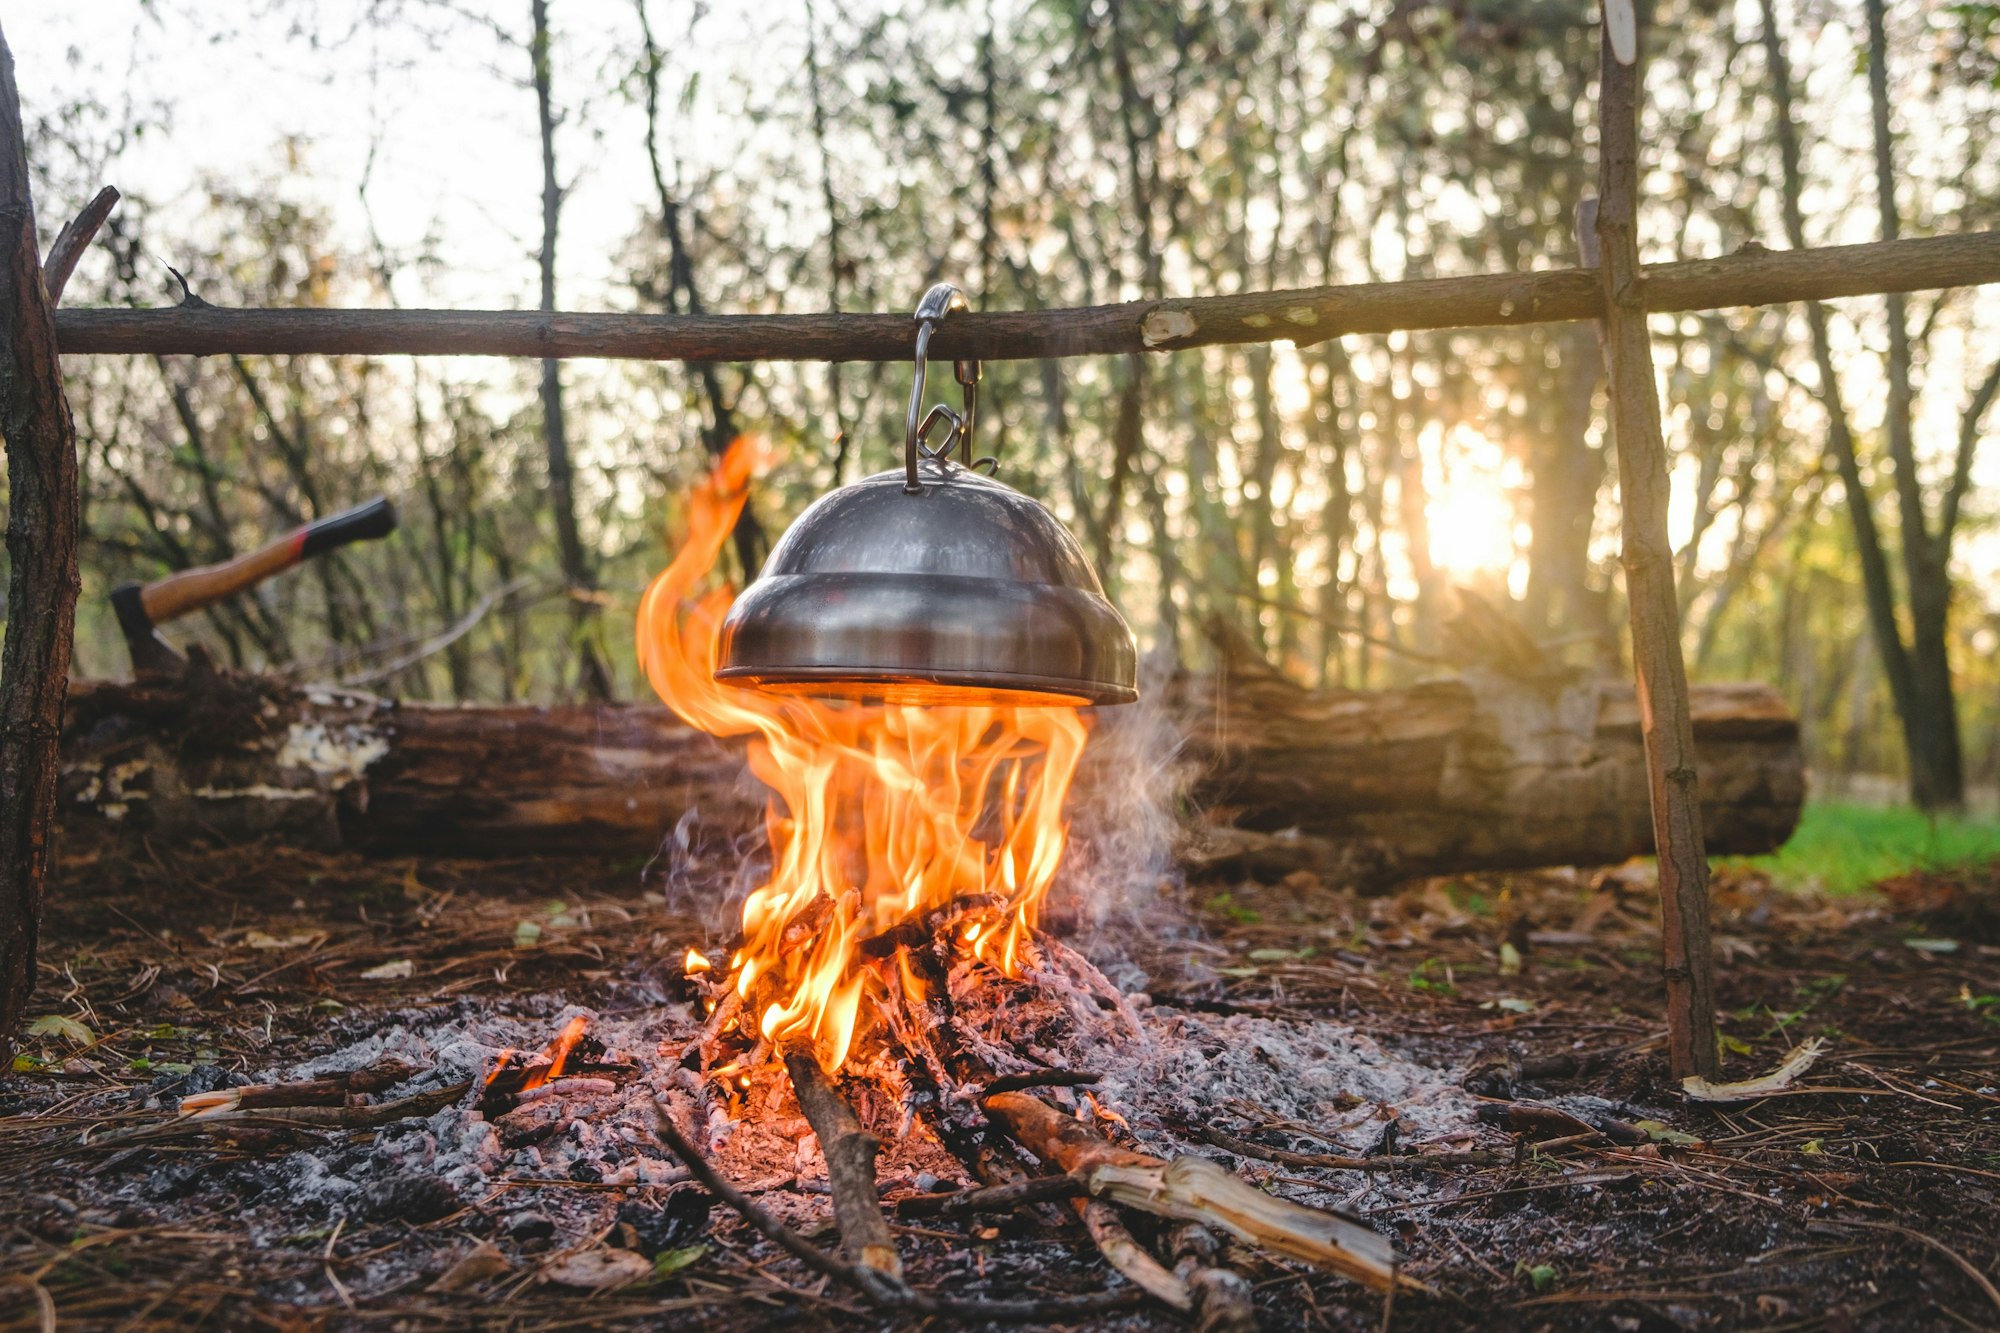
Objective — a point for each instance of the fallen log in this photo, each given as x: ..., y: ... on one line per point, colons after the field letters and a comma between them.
x: 1473, y: 772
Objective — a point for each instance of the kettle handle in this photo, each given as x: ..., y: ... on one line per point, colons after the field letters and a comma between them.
x: 941, y: 300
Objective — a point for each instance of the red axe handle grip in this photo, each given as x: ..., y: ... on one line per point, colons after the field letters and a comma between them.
x: 192, y: 589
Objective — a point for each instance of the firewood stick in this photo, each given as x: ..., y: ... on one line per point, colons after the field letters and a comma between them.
x: 852, y: 1275
x: 849, y: 1150
x: 1194, y: 1189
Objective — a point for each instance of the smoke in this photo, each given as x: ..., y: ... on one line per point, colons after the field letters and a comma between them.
x: 1124, y: 826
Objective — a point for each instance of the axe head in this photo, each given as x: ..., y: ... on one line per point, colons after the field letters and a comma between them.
x: 151, y: 654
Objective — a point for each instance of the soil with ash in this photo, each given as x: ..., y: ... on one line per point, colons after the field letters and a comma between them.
x: 1272, y: 1025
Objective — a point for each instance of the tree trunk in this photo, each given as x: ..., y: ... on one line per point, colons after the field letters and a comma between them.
x: 42, y: 579
x: 1481, y: 772
x: 1937, y: 766
x: 593, y: 676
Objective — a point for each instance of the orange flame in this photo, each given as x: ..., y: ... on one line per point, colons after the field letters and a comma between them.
x: 880, y: 814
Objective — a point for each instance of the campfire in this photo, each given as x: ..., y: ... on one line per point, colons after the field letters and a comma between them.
x: 912, y: 847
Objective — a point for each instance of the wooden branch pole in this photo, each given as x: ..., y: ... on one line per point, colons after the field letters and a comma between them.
x: 1661, y: 676
x: 849, y: 1150
x: 42, y: 581
x: 1752, y: 276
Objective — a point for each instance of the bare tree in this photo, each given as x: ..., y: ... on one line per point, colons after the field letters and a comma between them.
x: 577, y: 567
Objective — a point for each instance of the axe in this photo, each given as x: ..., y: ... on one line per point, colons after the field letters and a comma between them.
x: 141, y: 609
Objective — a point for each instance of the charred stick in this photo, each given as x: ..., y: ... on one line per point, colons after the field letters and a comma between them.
x: 1043, y: 1078
x: 920, y: 931
x: 288, y: 1117
x: 1337, y: 1162
x: 768, y: 1226
x: 992, y: 1199
x: 849, y: 1150
x: 331, y: 1090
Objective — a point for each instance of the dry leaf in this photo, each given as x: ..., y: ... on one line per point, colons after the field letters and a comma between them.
x: 395, y: 971
x: 475, y: 1266
x: 598, y: 1270
x: 257, y: 939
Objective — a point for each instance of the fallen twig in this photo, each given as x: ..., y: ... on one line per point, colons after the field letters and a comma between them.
x: 1336, y: 1162
x: 1796, y: 1062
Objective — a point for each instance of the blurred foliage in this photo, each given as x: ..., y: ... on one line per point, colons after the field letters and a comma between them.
x: 1322, y: 501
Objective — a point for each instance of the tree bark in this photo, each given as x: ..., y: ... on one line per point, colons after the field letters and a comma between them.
x: 42, y: 578
x: 593, y: 676
x: 1750, y: 277
x: 1937, y: 762
x: 1647, y: 556
x: 1479, y: 772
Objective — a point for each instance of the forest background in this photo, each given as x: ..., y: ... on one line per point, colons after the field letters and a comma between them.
x: 1835, y: 484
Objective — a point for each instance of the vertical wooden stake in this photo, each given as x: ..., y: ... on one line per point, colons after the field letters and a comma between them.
x: 42, y: 583
x: 1649, y: 568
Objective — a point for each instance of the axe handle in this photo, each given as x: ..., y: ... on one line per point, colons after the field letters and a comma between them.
x: 192, y: 589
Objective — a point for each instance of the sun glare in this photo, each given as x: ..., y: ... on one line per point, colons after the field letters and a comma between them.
x: 1471, y: 525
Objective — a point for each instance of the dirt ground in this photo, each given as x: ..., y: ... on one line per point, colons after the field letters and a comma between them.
x: 1867, y: 1196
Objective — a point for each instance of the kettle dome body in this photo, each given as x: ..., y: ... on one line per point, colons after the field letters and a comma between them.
x: 966, y: 591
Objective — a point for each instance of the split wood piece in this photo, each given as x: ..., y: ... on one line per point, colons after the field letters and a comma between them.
x: 1648, y: 557
x: 849, y: 1150
x: 1194, y: 1189
x: 1337, y: 1162
x: 1051, y: 1310
x: 1751, y: 276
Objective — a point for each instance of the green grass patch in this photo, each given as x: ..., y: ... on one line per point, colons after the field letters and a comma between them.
x: 1845, y: 848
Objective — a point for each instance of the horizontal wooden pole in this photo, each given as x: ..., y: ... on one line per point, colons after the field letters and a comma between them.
x: 1752, y: 276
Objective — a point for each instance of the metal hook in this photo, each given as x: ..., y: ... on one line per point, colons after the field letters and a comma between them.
x: 939, y: 301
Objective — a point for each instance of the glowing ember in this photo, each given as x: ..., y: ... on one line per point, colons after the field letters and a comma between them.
x: 881, y: 814
x: 557, y: 1053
